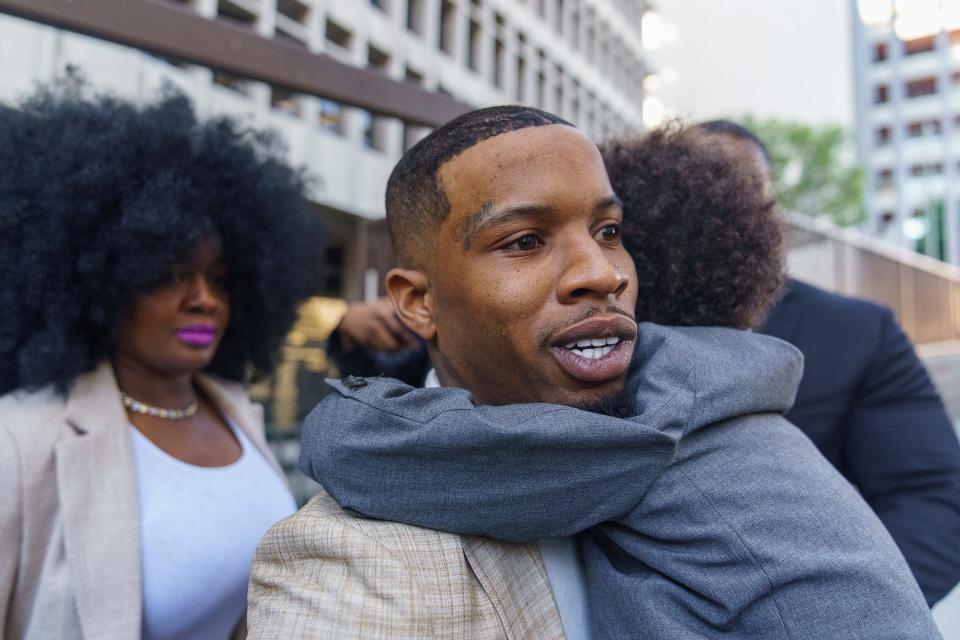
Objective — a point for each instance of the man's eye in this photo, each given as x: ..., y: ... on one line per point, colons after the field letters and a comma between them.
x: 610, y: 232
x: 528, y: 242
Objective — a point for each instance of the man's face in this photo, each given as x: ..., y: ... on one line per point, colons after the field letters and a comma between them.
x: 531, y: 291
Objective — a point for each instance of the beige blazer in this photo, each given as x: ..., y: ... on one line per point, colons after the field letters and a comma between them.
x: 323, y: 573
x: 69, y: 515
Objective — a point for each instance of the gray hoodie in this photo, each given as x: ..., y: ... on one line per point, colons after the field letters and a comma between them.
x: 705, y: 514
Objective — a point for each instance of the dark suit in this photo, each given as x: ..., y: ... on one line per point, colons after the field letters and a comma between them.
x: 868, y: 404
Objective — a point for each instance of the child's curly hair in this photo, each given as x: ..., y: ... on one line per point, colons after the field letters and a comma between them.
x: 701, y: 227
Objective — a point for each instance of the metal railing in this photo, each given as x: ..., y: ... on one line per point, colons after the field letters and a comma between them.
x: 924, y: 293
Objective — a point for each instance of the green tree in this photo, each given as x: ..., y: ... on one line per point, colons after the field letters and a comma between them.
x: 813, y: 170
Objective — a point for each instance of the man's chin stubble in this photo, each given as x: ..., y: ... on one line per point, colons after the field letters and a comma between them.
x: 618, y: 404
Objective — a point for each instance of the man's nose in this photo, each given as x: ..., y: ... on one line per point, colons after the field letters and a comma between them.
x: 590, y: 270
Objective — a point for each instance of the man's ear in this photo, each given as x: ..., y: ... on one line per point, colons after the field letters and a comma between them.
x: 412, y: 300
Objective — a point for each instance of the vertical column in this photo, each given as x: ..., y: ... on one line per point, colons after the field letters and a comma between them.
x: 951, y: 228
x: 895, y: 47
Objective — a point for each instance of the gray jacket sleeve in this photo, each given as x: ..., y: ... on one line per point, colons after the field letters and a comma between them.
x: 430, y: 457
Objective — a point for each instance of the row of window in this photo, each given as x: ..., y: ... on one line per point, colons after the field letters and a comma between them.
x: 917, y: 88
x: 534, y: 78
x: 923, y: 128
x: 886, y: 178
x: 881, y: 50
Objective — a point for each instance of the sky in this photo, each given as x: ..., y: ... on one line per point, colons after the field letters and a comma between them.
x: 772, y: 58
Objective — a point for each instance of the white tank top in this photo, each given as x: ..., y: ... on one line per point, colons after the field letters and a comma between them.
x: 199, y: 527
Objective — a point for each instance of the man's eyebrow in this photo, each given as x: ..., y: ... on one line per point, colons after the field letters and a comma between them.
x: 487, y: 216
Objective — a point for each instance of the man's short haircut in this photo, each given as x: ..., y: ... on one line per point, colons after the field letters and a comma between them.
x: 416, y: 202
x: 736, y: 131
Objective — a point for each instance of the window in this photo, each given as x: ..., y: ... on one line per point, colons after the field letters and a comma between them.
x: 881, y: 94
x: 575, y: 26
x: 378, y: 60
x: 558, y: 106
x: 920, y: 45
x: 330, y: 117
x: 446, y: 35
x: 499, y: 63
x: 521, y: 89
x: 285, y: 101
x: 416, y: 16
x: 293, y: 9
x: 923, y: 128
x: 474, y: 46
x: 922, y: 87
x: 379, y: 4
x: 882, y: 136
x: 880, y: 52
x: 338, y: 35
x: 235, y: 13
x: 932, y: 169
x: 230, y: 81
x: 885, y: 179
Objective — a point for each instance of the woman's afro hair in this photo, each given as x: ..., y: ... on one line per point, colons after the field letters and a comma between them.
x: 702, y: 229
x: 100, y: 199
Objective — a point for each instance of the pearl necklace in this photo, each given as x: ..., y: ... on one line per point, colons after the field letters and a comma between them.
x: 168, y: 414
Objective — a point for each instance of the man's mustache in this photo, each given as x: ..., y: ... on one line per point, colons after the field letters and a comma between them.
x: 586, y: 315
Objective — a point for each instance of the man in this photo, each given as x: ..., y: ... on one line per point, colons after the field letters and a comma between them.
x: 865, y: 399
x: 707, y: 513
x: 867, y: 402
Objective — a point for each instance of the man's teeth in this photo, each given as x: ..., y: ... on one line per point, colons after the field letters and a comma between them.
x: 593, y: 348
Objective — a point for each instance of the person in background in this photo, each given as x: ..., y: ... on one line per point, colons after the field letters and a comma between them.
x: 868, y: 404
x: 150, y: 263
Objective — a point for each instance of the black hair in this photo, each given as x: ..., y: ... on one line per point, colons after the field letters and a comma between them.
x: 700, y: 226
x: 415, y: 199
x: 101, y: 198
x: 739, y: 132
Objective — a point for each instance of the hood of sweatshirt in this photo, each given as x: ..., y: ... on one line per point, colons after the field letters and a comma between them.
x: 391, y: 451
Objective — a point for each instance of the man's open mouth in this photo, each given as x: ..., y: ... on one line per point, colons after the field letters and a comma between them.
x: 593, y: 348
x: 596, y: 350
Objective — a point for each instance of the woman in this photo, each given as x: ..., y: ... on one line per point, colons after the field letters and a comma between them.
x: 150, y: 263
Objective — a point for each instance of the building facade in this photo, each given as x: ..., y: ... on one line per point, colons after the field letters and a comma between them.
x: 907, y: 74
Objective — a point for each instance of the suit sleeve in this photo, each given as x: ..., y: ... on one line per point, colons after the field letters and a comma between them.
x: 11, y: 522
x: 430, y: 458
x: 905, y: 458
x: 316, y: 578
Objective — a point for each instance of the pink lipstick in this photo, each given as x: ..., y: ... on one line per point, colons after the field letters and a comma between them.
x: 197, y: 335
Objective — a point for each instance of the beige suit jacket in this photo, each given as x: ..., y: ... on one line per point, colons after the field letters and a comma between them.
x: 69, y: 514
x: 323, y: 573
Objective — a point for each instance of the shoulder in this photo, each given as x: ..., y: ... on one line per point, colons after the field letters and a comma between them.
x: 323, y: 572
x: 322, y: 527
x: 839, y: 307
x: 27, y: 415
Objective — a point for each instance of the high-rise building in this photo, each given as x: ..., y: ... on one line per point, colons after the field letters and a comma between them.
x: 907, y: 73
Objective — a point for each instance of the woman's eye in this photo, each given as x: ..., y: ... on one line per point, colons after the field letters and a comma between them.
x: 610, y: 232
x: 528, y: 242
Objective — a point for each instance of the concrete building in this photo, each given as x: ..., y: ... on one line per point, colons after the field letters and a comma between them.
x: 582, y: 59
x: 907, y: 73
